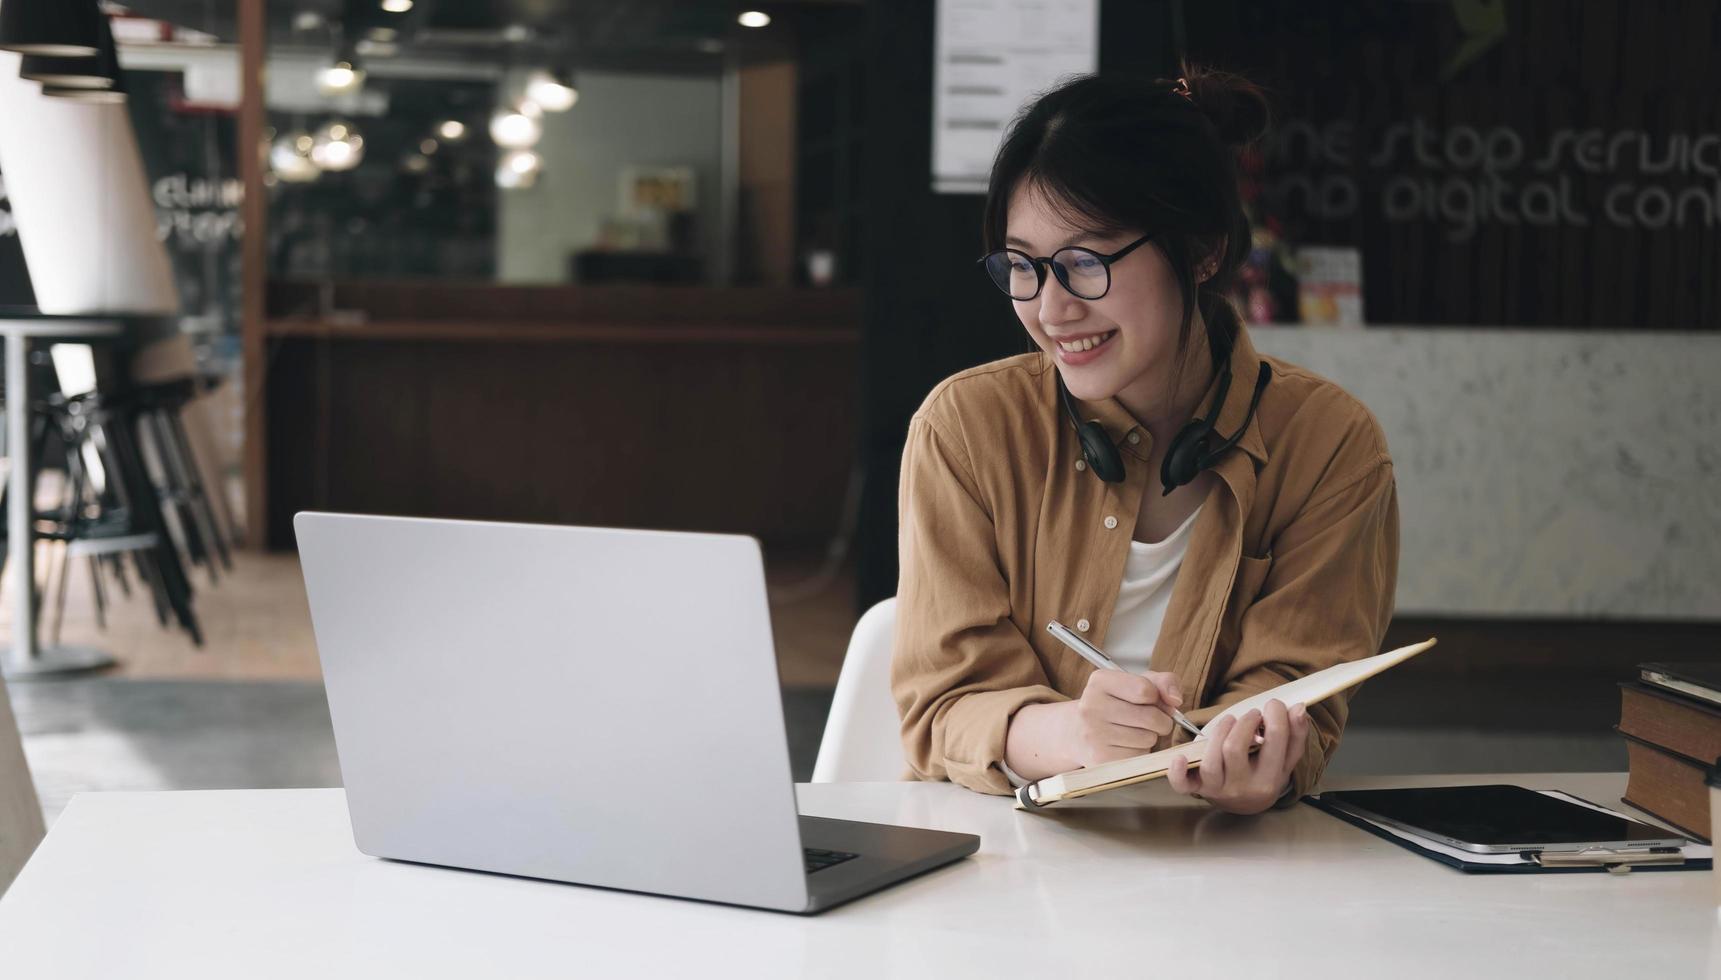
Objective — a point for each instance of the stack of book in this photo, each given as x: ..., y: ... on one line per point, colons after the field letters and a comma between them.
x: 1671, y: 720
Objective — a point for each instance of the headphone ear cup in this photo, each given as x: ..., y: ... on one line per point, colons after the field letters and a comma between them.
x: 1101, y: 455
x: 1183, y: 457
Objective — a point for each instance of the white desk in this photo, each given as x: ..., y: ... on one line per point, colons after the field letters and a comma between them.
x: 267, y: 884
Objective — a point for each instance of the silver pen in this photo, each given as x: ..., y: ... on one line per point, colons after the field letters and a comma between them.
x: 1094, y: 655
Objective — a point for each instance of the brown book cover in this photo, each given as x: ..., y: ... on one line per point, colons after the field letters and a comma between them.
x: 1679, y: 725
x: 1669, y: 787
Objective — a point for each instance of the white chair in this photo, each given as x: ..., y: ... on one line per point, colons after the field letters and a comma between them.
x: 863, y: 735
x: 20, y: 813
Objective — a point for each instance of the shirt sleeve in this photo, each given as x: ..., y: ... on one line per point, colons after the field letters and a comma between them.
x: 961, y: 668
x: 1327, y: 599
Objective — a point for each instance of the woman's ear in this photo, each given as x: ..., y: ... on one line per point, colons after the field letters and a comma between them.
x: 1210, y: 252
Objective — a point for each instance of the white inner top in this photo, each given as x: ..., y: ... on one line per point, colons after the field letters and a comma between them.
x: 1149, y: 575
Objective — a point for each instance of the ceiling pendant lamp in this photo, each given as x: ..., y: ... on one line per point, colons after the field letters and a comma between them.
x: 98, y: 81
x: 516, y: 128
x: 61, y: 28
x: 552, y: 90
x: 94, y: 72
x: 518, y: 169
x: 337, y: 146
x: 290, y: 158
x: 341, y: 76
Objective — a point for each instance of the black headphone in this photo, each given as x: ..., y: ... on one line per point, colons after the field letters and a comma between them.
x: 1188, y: 453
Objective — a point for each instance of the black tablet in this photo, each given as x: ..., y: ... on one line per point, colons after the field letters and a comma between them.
x: 1499, y: 819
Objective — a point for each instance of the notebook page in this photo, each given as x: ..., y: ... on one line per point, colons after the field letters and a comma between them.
x: 1323, y: 683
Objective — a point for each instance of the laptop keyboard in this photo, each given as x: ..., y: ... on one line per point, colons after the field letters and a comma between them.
x: 818, y: 859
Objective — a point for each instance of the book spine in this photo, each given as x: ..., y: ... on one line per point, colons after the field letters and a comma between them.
x: 1669, y: 788
x: 1672, y: 725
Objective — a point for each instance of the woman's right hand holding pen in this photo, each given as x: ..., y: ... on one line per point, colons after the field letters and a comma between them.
x: 1119, y: 715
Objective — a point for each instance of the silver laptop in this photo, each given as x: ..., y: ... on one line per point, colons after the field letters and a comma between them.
x: 585, y: 705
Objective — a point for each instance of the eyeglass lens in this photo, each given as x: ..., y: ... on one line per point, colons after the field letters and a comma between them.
x: 1082, y: 272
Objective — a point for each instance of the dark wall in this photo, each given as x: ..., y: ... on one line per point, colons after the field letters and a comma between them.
x: 930, y: 312
x: 1521, y: 162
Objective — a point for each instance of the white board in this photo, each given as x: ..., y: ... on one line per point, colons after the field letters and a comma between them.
x: 991, y: 57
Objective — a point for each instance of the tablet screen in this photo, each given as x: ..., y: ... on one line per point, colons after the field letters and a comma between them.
x: 1496, y: 815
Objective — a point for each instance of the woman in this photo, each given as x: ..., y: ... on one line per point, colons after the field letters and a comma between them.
x: 1113, y: 222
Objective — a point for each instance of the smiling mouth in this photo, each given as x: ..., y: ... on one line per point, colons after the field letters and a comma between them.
x: 1086, y: 343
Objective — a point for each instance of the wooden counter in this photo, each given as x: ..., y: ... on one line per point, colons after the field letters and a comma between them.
x: 713, y: 334
x: 718, y: 410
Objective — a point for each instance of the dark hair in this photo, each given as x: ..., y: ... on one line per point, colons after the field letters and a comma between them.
x: 1115, y: 153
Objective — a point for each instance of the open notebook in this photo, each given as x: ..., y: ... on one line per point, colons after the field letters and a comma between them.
x: 1315, y: 687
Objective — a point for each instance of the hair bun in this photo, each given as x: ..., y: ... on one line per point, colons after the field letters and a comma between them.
x: 1236, y: 106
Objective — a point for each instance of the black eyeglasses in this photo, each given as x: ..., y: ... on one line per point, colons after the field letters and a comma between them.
x: 1083, y: 271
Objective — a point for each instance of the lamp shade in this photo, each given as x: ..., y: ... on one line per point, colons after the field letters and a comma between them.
x: 67, y: 72
x: 62, y: 28
x: 290, y: 158
x: 513, y: 129
x: 337, y: 146
x: 343, y: 75
x: 107, y: 52
x: 101, y: 95
x: 552, y: 90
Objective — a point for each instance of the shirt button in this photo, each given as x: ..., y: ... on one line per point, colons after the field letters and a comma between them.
x: 1111, y: 522
x: 1081, y: 464
x: 1081, y: 626
x: 1134, y: 437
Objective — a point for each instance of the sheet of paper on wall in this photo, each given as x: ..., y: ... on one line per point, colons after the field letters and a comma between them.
x: 990, y: 58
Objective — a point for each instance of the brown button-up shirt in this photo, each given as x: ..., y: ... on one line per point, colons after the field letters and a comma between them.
x: 1291, y: 565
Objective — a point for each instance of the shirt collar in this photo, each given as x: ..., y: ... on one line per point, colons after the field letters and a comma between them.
x: 1245, y: 366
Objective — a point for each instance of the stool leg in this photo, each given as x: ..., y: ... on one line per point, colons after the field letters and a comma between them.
x: 172, y: 486
x: 60, y: 593
x: 127, y: 472
x: 201, y: 498
x: 139, y: 430
x: 72, y: 507
x: 188, y: 487
x: 116, y: 565
x: 99, y: 591
x: 146, y: 574
x: 39, y: 437
x: 42, y: 594
x: 38, y: 443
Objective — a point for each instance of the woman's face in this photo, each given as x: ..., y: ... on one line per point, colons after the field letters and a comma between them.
x: 1125, y: 342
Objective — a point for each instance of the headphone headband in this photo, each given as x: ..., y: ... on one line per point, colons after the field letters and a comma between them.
x: 1186, y: 456
x: 1261, y: 378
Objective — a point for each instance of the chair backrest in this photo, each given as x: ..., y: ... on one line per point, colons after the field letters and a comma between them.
x: 20, y: 813
x: 863, y: 736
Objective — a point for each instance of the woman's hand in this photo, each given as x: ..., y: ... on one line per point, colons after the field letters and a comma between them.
x: 1232, y: 780
x: 1116, y: 717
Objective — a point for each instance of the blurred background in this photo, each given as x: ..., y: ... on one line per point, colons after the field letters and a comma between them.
x: 692, y: 265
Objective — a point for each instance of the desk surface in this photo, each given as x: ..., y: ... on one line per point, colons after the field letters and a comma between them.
x: 266, y: 883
